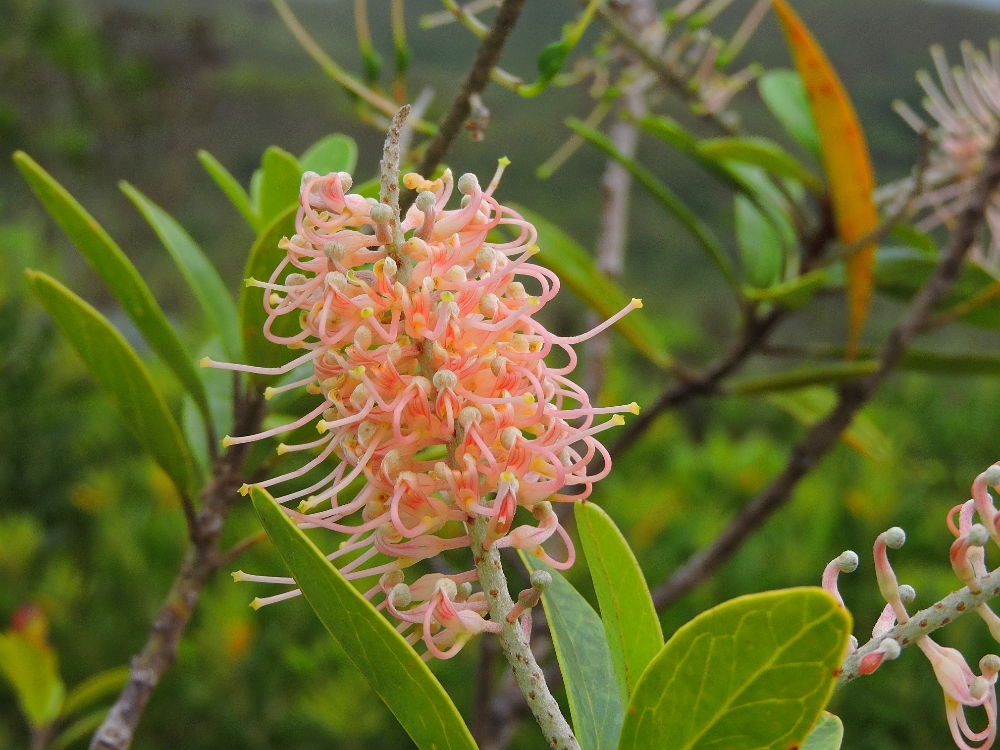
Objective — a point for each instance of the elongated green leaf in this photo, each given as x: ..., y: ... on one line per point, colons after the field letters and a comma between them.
x: 389, y: 664
x: 335, y: 153
x: 760, y: 246
x: 750, y: 674
x: 94, y: 688
x: 584, y: 659
x: 30, y: 667
x: 790, y: 294
x: 785, y: 95
x: 198, y: 271
x: 560, y: 253
x: 231, y: 188
x: 801, y: 377
x: 630, y: 621
x: 666, y: 198
x: 746, y: 180
x: 118, y: 273
x: 763, y: 153
x: 279, y: 185
x: 809, y: 405
x: 264, y: 258
x: 828, y: 734
x: 119, y: 371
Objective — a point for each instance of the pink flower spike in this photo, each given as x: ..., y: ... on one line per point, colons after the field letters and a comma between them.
x: 438, y: 401
x: 962, y: 688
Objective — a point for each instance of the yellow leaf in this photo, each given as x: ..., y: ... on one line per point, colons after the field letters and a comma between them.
x: 845, y: 161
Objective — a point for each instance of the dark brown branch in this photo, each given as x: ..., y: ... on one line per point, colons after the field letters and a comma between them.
x: 200, y: 562
x: 487, y: 58
x: 823, y: 436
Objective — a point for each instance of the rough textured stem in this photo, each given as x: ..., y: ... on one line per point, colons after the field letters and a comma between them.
x: 926, y: 621
x: 389, y: 191
x: 515, y: 647
x: 200, y: 562
x: 487, y: 58
x: 824, y: 434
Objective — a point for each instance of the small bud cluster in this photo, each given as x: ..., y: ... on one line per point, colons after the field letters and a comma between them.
x: 962, y: 687
x: 436, y: 391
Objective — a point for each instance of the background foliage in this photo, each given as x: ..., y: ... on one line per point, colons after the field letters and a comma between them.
x: 90, y: 530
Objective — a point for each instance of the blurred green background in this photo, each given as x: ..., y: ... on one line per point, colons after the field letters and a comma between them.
x: 89, y: 528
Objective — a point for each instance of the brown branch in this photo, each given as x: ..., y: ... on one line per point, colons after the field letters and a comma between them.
x: 475, y: 81
x: 200, y: 562
x: 823, y: 436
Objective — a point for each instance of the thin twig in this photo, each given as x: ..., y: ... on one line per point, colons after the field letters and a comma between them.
x: 200, y: 562
x: 823, y: 435
x: 475, y: 81
x: 226, y: 558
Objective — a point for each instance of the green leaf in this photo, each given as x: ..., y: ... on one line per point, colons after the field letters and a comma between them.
x: 120, y: 372
x: 78, y: 730
x: 390, y: 665
x: 95, y: 688
x: 560, y: 253
x: 743, y: 179
x: 761, y: 248
x: 763, y: 153
x: 264, y: 258
x: 810, y: 405
x: 828, y: 734
x: 118, y: 273
x: 31, y: 669
x: 279, y: 185
x: 630, y: 621
x: 801, y: 377
x: 584, y: 660
x: 901, y: 272
x: 231, y: 188
x: 791, y: 294
x: 335, y: 153
x: 750, y: 674
x: 785, y: 95
x: 666, y: 198
x: 197, y: 269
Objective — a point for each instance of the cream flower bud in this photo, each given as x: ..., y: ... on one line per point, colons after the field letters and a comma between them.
x: 295, y: 279
x: 366, y: 431
x: 508, y: 436
x: 389, y: 268
x: 485, y: 257
x: 496, y: 364
x: 346, y: 181
x: 445, y: 379
x: 467, y: 183
x: 489, y: 304
x: 360, y: 395
x: 337, y: 280
x: 400, y: 596
x: 425, y: 201
x: 363, y: 338
x: 468, y: 415
x: 515, y: 289
x: 335, y: 251
x: 447, y: 587
x: 381, y: 213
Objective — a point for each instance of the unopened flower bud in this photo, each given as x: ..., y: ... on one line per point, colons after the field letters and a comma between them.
x: 989, y: 665
x: 508, y: 436
x: 389, y: 268
x: 307, y: 177
x: 425, y: 201
x: 392, y: 462
x: 455, y: 275
x: 381, y: 213
x: 515, y: 289
x: 496, y: 364
x: 907, y: 594
x: 335, y: 251
x: 488, y: 305
x: 979, y: 687
x: 295, y: 279
x: 400, y: 596
x: 391, y: 578
x: 895, y: 538
x: 485, y: 257
x: 447, y: 587
x: 373, y: 509
x: 541, y: 579
x: 445, y: 379
x: 848, y: 561
x: 468, y: 415
x: 992, y: 475
x: 467, y: 183
x: 346, y: 181
x: 359, y: 397
x: 978, y: 536
x: 394, y: 353
x: 366, y: 431
x: 337, y: 280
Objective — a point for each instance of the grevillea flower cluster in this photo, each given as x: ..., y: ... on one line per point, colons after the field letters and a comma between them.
x: 962, y: 687
x: 422, y: 340
x: 966, y: 114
